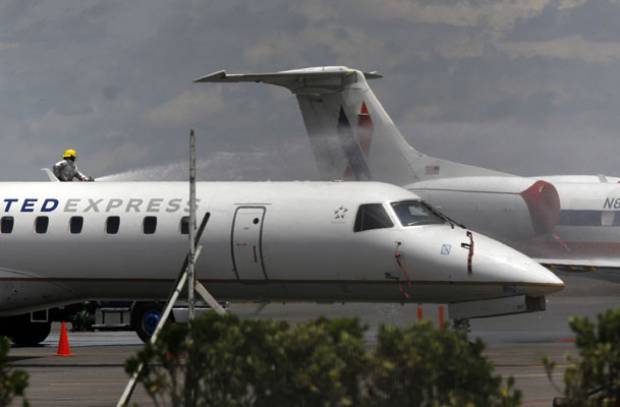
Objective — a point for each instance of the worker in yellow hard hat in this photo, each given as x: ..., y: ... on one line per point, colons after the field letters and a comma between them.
x: 66, y: 170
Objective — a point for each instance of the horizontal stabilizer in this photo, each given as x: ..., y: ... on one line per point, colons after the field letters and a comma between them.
x: 327, y: 79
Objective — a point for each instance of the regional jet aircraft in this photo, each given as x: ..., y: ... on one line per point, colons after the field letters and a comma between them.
x: 61, y: 243
x: 558, y: 220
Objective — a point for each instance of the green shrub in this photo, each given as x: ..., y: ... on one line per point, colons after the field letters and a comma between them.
x: 593, y: 378
x: 422, y: 366
x: 225, y: 361
x: 13, y: 382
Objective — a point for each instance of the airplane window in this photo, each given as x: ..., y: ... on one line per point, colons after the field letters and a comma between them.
x: 6, y: 224
x: 185, y: 225
x: 112, y: 225
x: 149, y: 225
x: 413, y: 213
x: 608, y: 218
x: 580, y: 218
x: 371, y: 216
x: 75, y: 224
x: 41, y: 223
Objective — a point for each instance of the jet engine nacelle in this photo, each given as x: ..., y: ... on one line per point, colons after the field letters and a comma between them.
x: 508, y: 208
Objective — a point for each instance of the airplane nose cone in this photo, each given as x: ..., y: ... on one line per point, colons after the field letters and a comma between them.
x: 488, y: 269
x: 498, y: 262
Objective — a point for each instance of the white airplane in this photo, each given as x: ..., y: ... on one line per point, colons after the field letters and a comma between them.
x: 558, y: 220
x: 61, y: 243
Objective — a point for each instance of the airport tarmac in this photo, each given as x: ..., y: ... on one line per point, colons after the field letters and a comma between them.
x: 94, y: 375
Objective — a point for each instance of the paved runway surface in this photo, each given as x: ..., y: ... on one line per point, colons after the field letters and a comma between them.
x: 94, y: 375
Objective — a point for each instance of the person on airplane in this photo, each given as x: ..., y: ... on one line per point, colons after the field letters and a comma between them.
x: 66, y: 170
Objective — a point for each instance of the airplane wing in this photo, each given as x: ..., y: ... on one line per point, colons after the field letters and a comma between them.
x: 583, y: 264
x: 597, y: 269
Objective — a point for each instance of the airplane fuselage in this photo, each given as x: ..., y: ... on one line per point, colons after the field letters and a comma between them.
x: 295, y: 241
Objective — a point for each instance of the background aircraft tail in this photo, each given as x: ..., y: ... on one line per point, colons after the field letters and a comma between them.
x: 352, y: 136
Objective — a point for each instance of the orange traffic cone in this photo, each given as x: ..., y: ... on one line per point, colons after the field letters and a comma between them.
x: 63, y: 342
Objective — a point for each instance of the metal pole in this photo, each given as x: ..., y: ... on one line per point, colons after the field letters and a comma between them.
x: 172, y: 299
x: 164, y: 317
x: 209, y: 299
x: 188, y: 272
x: 191, y: 271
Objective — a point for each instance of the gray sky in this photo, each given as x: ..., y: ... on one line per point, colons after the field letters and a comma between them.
x: 529, y: 87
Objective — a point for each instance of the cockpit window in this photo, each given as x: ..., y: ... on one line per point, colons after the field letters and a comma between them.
x: 413, y: 213
x: 372, y: 216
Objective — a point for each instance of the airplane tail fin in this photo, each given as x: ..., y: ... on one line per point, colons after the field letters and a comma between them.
x: 50, y: 175
x: 352, y: 136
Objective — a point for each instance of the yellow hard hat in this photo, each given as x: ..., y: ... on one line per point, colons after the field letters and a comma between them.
x: 70, y: 153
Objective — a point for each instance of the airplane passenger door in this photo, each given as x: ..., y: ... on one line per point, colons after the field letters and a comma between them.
x: 246, y: 243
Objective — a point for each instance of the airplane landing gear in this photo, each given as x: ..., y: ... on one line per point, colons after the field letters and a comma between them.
x: 24, y: 332
x: 144, y: 318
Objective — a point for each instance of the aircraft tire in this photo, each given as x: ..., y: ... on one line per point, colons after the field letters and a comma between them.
x: 144, y: 318
x: 26, y: 333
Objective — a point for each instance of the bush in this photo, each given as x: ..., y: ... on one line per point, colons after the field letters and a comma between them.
x: 422, y: 366
x: 224, y: 361
x: 13, y: 382
x: 593, y: 378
